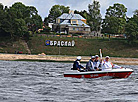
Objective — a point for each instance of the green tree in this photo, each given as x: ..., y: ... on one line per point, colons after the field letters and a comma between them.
x: 15, y: 19
x: 19, y: 10
x: 117, y: 10
x: 131, y: 31
x: 132, y: 28
x: 1, y: 18
x: 18, y: 19
x: 136, y: 13
x: 109, y: 25
x: 56, y: 11
x: 4, y: 21
x: 115, y: 19
x: 28, y: 14
x: 34, y: 23
x: 20, y: 27
x: 95, y: 16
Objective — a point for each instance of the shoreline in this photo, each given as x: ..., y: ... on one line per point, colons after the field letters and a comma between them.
x: 62, y: 58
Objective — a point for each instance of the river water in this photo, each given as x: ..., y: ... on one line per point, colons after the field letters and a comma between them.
x: 44, y: 82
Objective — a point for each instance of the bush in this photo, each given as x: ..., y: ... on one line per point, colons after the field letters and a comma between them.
x: 46, y: 29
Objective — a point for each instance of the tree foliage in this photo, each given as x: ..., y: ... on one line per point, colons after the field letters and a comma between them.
x: 3, y: 21
x: 95, y: 16
x: 18, y: 19
x: 115, y: 19
x: 56, y: 11
x: 132, y: 28
x: 117, y: 10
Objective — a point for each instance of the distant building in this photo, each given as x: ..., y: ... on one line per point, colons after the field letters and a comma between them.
x: 71, y: 24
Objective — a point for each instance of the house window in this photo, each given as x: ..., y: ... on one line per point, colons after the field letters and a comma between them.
x: 74, y: 22
x: 61, y: 20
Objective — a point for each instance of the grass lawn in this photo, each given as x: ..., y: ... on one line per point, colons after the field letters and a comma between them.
x: 9, y: 46
x: 115, y: 47
x: 84, y: 47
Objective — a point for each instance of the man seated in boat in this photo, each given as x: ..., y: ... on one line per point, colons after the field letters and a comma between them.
x: 97, y: 63
x: 90, y: 64
x: 106, y: 64
x: 77, y: 65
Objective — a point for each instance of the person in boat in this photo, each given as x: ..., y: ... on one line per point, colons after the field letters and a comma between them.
x: 106, y: 64
x: 77, y: 65
x: 90, y: 65
x: 97, y: 63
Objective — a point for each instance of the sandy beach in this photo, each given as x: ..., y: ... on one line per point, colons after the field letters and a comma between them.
x: 13, y: 57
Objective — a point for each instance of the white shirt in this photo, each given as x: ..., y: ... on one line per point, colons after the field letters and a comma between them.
x: 106, y: 65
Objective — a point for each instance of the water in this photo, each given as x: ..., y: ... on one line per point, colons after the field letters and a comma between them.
x: 44, y: 82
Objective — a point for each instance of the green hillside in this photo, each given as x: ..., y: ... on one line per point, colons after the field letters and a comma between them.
x: 9, y: 46
x: 86, y: 47
x: 115, y: 47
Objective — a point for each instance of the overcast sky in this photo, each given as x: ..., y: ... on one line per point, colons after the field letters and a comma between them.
x: 43, y: 6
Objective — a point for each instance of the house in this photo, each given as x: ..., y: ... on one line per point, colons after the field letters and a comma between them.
x: 71, y: 24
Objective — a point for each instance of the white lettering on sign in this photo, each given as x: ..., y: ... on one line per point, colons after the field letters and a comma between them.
x: 55, y: 42
x: 66, y: 43
x: 73, y: 43
x: 60, y: 43
x: 51, y: 43
x: 69, y: 43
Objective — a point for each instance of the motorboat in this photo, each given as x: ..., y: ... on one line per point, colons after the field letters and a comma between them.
x: 114, y: 73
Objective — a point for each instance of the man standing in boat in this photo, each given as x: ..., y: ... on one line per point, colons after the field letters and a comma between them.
x: 77, y: 65
x: 97, y: 63
x: 90, y: 65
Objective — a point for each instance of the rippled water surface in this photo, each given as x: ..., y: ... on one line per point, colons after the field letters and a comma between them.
x: 44, y: 82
